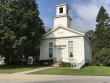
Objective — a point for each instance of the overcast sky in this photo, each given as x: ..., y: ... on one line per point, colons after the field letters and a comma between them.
x: 82, y: 12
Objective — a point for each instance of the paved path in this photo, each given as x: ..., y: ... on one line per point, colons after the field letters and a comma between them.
x: 29, y: 71
x: 11, y: 78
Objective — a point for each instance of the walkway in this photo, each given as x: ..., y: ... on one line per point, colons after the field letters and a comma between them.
x: 29, y: 71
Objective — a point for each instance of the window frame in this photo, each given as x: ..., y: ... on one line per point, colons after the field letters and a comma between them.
x: 61, y: 10
x: 69, y: 47
x: 50, y: 52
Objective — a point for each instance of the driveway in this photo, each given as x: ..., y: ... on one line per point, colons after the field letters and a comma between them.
x: 11, y: 78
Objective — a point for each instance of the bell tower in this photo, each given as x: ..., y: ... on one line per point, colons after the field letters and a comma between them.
x: 62, y: 17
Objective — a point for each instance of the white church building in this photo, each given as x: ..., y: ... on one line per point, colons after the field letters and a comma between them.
x: 63, y: 43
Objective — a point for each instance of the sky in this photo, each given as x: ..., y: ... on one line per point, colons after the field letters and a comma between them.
x: 82, y: 12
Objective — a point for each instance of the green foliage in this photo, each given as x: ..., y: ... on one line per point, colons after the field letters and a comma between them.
x: 46, y: 62
x: 101, y: 38
x: 20, y: 28
x: 7, y: 36
x: 103, y: 57
x: 47, y: 29
x: 90, y: 34
x: 101, y: 35
x: 65, y: 64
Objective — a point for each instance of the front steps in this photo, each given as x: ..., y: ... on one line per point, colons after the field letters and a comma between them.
x: 79, y: 65
x: 73, y: 65
x: 56, y: 64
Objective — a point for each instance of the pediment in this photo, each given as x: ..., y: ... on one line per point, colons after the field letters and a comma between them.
x: 62, y: 32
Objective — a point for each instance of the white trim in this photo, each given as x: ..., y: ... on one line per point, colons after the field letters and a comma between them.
x: 51, y: 48
x: 64, y: 15
x: 69, y: 48
x: 60, y: 26
x: 63, y: 5
x: 62, y: 37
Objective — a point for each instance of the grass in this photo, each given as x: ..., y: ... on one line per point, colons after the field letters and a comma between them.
x: 86, y: 71
x: 14, y: 69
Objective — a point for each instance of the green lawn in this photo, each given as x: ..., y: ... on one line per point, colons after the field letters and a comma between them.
x: 14, y: 69
x: 89, y: 70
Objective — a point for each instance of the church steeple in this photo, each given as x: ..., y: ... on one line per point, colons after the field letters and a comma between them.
x: 62, y: 17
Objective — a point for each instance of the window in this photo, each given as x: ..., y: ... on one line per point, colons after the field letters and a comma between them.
x: 61, y: 10
x: 70, y: 48
x: 50, y: 49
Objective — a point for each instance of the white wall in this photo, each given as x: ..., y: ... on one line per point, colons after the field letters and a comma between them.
x: 78, y: 48
x: 60, y: 21
x: 88, y: 51
x: 62, y: 18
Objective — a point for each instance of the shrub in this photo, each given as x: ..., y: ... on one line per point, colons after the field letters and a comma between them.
x: 66, y: 64
x: 46, y: 62
x: 103, y: 57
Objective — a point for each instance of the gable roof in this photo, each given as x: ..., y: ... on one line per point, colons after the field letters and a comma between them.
x: 68, y: 29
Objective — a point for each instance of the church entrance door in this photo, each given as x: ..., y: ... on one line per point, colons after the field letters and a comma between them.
x: 59, y: 54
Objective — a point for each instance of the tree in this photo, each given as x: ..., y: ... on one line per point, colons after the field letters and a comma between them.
x: 101, y: 38
x: 7, y: 36
x: 30, y: 27
x: 90, y: 34
x: 47, y: 29
x: 101, y: 34
x: 25, y: 26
